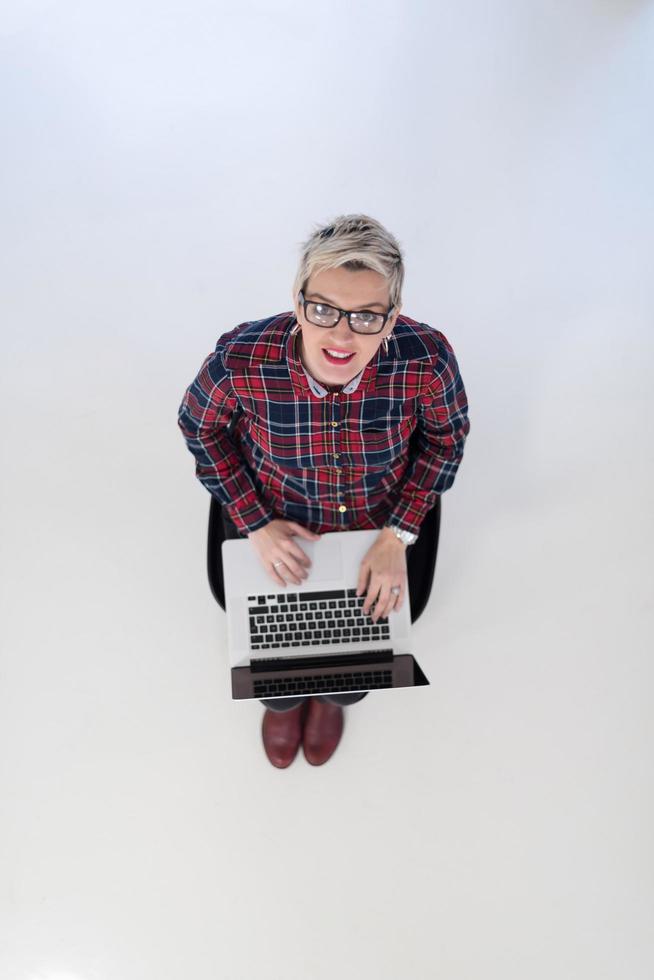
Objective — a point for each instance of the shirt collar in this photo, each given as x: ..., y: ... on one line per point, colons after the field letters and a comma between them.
x: 321, y: 391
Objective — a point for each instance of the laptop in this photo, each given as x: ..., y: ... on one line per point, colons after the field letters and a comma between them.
x: 312, y: 638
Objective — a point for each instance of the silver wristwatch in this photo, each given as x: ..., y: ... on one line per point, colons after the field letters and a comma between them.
x: 406, y: 537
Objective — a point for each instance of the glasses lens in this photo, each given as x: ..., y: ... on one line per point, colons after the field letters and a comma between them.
x: 366, y: 322
x: 326, y: 316
x: 321, y: 315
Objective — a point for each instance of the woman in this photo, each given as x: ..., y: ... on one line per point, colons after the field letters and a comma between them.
x: 300, y: 424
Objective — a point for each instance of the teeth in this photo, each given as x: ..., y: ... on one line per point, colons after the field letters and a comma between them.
x: 335, y: 353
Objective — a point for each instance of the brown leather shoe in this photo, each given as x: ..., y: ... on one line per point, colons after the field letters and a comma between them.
x: 322, y: 731
x: 282, y: 734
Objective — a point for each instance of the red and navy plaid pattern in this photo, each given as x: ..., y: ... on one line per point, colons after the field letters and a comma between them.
x: 266, y: 446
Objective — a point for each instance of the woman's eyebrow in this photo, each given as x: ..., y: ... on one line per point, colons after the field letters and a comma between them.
x: 365, y: 306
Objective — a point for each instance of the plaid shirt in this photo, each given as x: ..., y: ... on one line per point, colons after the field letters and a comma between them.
x: 269, y: 441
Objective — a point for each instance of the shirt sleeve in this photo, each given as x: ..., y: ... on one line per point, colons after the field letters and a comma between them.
x: 441, y: 432
x: 208, y: 407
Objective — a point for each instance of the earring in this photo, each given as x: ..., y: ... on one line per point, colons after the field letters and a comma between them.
x: 385, y: 343
x: 295, y: 329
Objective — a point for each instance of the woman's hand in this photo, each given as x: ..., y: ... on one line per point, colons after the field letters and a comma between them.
x: 274, y: 543
x: 382, y: 567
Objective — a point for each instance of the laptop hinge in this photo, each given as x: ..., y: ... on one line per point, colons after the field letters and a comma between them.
x: 336, y: 660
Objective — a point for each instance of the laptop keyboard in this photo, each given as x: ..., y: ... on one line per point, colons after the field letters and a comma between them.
x: 323, y: 683
x: 286, y: 619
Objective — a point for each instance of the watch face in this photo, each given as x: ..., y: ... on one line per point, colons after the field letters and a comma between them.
x: 406, y: 537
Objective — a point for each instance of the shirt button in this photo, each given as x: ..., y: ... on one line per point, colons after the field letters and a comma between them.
x: 334, y: 424
x: 336, y: 455
x: 342, y: 508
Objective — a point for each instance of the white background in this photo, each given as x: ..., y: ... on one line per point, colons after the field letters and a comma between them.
x: 161, y: 163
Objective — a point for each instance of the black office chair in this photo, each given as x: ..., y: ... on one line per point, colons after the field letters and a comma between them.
x: 421, y: 557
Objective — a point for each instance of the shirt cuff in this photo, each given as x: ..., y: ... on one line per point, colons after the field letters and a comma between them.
x: 409, y: 515
x: 251, y: 518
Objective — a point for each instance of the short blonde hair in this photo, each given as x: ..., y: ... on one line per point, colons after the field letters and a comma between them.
x: 354, y: 241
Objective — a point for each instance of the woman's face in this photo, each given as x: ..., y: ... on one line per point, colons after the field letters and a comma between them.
x: 347, y: 290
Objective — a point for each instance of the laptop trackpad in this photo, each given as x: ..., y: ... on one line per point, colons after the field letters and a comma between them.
x: 326, y: 561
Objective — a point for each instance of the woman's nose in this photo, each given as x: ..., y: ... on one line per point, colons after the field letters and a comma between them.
x: 341, y: 333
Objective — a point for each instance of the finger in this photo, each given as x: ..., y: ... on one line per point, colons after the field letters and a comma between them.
x: 304, y: 532
x: 362, y: 581
x: 291, y: 569
x: 399, y: 599
x: 276, y: 577
x: 371, y: 596
x: 294, y: 566
x: 294, y: 551
x: 388, y: 600
x: 382, y: 602
x: 395, y: 601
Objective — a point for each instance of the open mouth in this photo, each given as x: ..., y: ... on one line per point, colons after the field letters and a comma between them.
x: 337, y: 357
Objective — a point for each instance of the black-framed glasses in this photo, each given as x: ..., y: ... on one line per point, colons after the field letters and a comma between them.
x: 360, y: 321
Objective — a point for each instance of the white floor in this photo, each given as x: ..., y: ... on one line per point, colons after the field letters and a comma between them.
x: 496, y: 824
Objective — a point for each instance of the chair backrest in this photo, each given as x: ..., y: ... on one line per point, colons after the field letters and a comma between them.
x: 421, y: 558
x: 421, y: 561
x: 215, y: 539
